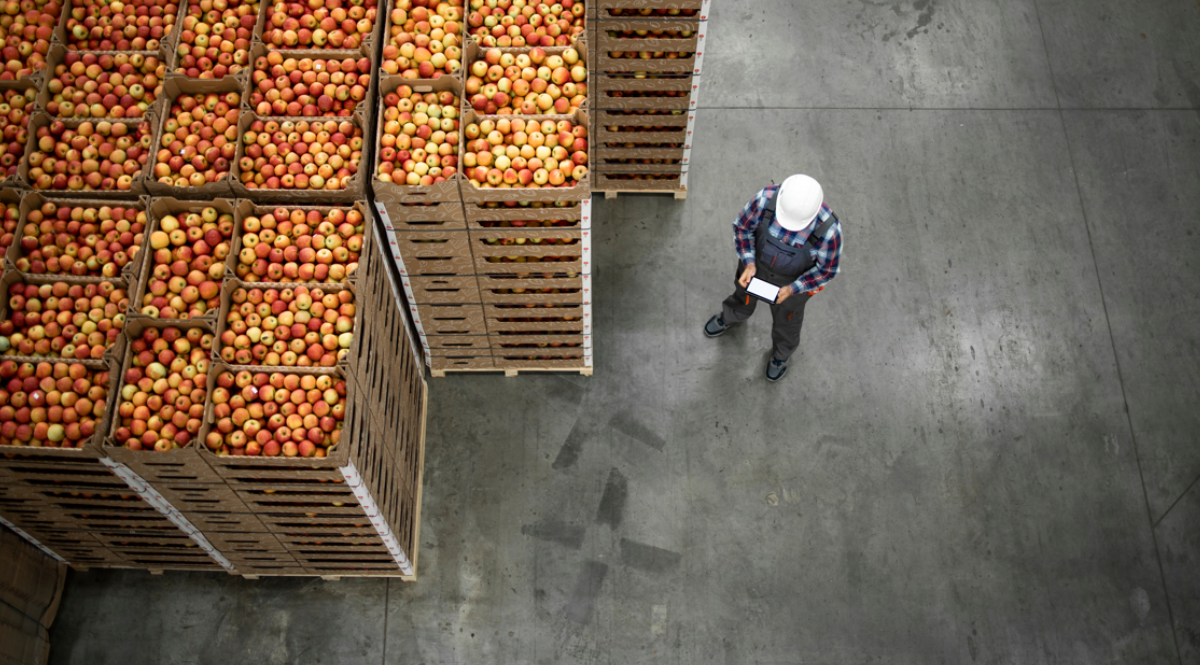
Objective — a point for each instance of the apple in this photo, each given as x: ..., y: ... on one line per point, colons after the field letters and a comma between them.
x: 288, y: 415
x: 90, y: 85
x: 82, y: 241
x: 50, y: 404
x: 289, y: 327
x: 63, y: 320
x: 10, y: 214
x: 163, y: 392
x: 300, y: 154
x: 513, y: 152
x: 317, y: 24
x: 187, y: 264
x: 520, y: 23
x: 103, y: 155
x: 418, y: 142
x: 424, y: 39
x: 215, y: 38
x: 301, y: 245
x: 310, y: 87
x: 26, y: 32
x: 537, y: 82
x: 198, y: 140
x: 136, y: 25
x: 15, y: 110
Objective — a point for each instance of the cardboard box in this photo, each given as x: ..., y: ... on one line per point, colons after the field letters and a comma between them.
x: 604, y: 61
x: 452, y: 319
x: 352, y: 190
x: 647, y: 181
x: 137, y: 187
x: 346, y: 362
x: 573, y: 213
x: 35, y: 201
x: 603, y: 9
x: 608, y: 29
x: 162, y: 207
x: 386, y: 32
x: 473, y: 52
x: 31, y: 589
x: 440, y: 345
x: 244, y: 210
x: 173, y: 89
x: 182, y: 465
x: 365, y: 107
x: 434, y: 253
x: 165, y: 46
x: 233, y: 265
x: 494, y: 289
x: 559, y: 359
x: 448, y: 216
x: 460, y: 362
x: 639, y: 118
x: 441, y: 290
x: 191, y: 7
x: 628, y: 140
x: 578, y: 192
x: 570, y: 257
x: 393, y: 197
x: 517, y: 343
x: 610, y: 91
x: 561, y: 319
x: 56, y: 56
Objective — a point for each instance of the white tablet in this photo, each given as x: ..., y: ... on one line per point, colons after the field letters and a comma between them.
x: 763, y: 290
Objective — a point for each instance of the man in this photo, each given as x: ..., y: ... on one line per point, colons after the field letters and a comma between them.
x: 786, y: 236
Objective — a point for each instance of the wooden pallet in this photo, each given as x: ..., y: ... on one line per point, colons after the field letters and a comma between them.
x: 680, y: 194
x: 441, y: 373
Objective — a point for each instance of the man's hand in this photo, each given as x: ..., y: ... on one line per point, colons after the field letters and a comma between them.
x: 784, y: 293
x: 747, y: 273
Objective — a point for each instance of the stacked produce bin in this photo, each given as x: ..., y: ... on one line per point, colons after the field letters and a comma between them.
x: 645, y: 82
x: 190, y: 202
x: 497, y: 274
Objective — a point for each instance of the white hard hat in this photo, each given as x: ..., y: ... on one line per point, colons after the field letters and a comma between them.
x: 800, y: 199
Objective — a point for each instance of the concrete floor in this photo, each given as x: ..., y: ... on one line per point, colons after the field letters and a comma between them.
x: 985, y: 451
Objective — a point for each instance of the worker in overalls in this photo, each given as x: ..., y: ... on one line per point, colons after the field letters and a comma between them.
x: 788, y: 237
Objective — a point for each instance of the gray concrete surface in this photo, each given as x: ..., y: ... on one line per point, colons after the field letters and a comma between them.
x: 985, y: 451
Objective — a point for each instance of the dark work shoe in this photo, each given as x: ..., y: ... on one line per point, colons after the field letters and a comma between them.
x: 716, y: 326
x: 776, y: 369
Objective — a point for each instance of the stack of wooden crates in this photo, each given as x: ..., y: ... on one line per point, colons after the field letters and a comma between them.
x: 644, y: 86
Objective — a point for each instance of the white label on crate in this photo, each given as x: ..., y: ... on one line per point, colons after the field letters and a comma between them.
x: 160, y: 503
x: 355, y: 483
x: 705, y: 6
x: 586, y: 241
x: 587, y: 285
x: 585, y: 214
x: 387, y: 221
x: 683, y: 178
x: 695, y: 98
x: 587, y: 361
x: 587, y: 341
x: 396, y: 254
x: 404, y: 311
x: 33, y: 541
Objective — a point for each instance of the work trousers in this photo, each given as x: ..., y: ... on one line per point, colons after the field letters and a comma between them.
x: 786, y: 318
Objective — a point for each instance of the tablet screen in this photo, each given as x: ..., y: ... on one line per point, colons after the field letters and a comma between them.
x: 764, y: 290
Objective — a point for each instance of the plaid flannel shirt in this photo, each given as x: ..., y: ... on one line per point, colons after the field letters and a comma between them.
x: 827, y: 251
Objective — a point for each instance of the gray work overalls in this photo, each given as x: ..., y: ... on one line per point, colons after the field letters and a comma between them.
x: 780, y: 264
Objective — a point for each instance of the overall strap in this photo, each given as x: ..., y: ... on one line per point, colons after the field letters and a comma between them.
x: 820, y: 232
x: 768, y: 213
